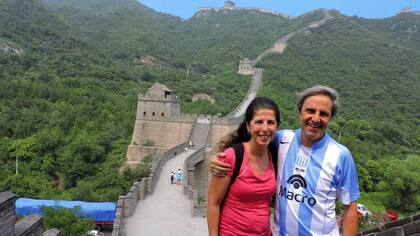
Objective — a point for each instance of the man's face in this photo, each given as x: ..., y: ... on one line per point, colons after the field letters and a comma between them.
x: 315, y: 116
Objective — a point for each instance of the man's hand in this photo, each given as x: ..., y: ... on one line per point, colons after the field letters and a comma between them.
x: 217, y: 167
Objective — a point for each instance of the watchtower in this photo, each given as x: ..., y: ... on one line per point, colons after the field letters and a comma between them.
x: 229, y: 5
x: 245, y: 67
x: 159, y: 124
x: 158, y: 103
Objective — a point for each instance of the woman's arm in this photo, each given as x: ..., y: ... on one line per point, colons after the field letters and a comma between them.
x: 217, y: 191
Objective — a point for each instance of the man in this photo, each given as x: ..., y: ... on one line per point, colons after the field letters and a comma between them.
x: 313, y: 171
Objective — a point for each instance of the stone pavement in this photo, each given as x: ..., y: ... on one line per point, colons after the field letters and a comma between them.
x: 167, y: 211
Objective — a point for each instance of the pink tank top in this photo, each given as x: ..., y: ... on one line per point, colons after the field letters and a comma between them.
x: 246, y: 209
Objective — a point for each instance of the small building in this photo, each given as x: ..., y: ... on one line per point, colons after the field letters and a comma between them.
x: 229, y: 5
x: 245, y: 67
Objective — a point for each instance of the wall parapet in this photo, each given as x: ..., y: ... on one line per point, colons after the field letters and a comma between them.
x: 31, y: 225
x: 194, y: 158
x: 183, y: 118
x: 252, y: 91
x: 402, y: 227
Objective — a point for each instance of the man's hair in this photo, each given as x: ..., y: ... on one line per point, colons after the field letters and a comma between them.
x: 319, y: 90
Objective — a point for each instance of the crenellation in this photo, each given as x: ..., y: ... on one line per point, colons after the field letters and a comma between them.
x: 31, y: 225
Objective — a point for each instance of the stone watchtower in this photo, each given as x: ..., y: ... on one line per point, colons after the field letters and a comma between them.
x: 158, y: 103
x: 229, y: 5
x: 245, y: 67
x: 159, y: 124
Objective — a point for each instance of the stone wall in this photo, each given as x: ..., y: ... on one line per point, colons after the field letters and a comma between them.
x: 31, y: 225
x: 403, y: 227
x: 7, y: 214
x: 161, y: 133
x: 152, y: 137
x: 220, y: 131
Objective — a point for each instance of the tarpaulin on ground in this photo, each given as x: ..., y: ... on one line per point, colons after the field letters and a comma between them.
x: 98, y: 211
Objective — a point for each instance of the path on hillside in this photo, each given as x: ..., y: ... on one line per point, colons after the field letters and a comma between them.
x: 167, y: 212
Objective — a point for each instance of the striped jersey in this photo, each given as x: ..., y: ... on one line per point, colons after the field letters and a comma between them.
x: 309, y: 181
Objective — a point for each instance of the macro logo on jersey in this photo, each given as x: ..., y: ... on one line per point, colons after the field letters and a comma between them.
x: 297, y: 181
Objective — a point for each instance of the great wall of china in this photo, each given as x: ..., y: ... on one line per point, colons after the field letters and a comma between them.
x: 185, y: 141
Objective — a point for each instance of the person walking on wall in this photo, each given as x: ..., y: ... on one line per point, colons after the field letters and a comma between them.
x: 172, y: 177
x: 178, y: 177
x: 243, y: 207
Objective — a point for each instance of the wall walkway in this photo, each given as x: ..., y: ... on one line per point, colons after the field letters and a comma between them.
x: 252, y: 92
x: 167, y: 212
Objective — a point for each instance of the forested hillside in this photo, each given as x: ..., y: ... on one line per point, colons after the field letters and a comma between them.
x: 379, y: 83
x: 68, y: 89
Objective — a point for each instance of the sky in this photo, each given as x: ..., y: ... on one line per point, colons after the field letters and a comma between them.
x: 362, y: 8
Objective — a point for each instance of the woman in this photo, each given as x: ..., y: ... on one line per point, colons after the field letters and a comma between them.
x: 246, y: 203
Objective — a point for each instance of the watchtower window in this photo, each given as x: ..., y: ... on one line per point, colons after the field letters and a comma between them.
x: 167, y: 93
x: 144, y: 113
x: 153, y: 114
x: 163, y: 114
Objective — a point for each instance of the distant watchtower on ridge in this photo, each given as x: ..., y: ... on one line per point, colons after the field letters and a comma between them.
x: 158, y: 103
x: 245, y: 67
x: 229, y: 5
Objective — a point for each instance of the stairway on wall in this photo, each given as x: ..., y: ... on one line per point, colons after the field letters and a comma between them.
x: 200, y: 132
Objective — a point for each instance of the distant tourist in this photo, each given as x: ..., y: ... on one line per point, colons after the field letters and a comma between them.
x: 313, y: 171
x: 172, y: 177
x: 243, y: 207
x: 178, y: 177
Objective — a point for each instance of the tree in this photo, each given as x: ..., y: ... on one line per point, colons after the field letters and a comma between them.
x: 402, y: 184
x: 69, y: 221
x: 23, y: 149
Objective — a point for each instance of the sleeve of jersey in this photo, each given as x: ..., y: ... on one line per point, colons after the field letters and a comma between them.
x: 229, y: 159
x: 348, y: 185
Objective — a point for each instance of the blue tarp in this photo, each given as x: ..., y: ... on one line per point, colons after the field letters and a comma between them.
x: 98, y: 211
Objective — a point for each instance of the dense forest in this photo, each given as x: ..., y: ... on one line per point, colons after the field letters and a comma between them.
x: 70, y: 72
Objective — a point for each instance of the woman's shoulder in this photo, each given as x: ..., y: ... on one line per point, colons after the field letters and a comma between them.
x: 230, y: 156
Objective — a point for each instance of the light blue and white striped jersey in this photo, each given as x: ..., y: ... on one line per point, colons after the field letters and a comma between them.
x: 309, y: 181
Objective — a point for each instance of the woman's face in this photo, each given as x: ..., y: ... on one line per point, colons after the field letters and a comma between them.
x: 262, y: 127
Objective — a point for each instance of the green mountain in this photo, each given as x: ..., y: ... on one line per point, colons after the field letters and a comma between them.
x: 68, y: 88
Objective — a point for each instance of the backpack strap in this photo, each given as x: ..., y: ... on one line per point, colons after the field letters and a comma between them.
x: 239, y: 157
x: 273, y: 152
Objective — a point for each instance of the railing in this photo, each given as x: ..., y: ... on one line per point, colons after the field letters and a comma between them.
x: 197, y: 208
